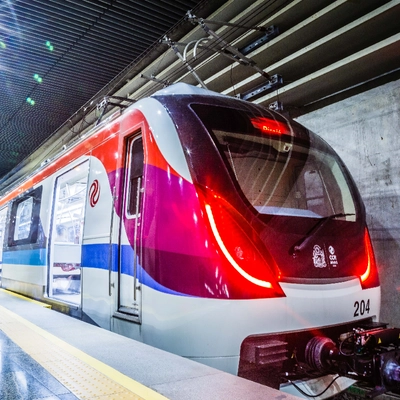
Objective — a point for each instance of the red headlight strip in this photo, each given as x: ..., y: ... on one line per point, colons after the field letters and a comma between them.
x: 225, y: 251
x: 368, y: 247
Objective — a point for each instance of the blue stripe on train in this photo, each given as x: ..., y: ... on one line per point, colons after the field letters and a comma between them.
x: 93, y: 256
x: 97, y: 256
x: 100, y: 255
x: 35, y: 257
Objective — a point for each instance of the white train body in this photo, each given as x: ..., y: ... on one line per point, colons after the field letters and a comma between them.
x: 199, y: 224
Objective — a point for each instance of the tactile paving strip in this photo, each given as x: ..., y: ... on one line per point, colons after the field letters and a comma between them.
x: 86, y: 377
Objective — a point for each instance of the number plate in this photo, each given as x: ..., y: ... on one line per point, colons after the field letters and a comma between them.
x: 361, y: 308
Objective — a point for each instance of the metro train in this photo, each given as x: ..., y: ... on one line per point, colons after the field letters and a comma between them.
x: 200, y: 224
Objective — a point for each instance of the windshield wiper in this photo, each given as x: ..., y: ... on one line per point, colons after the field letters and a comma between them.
x: 302, y: 243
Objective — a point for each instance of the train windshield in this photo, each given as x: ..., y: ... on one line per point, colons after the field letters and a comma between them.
x: 280, y: 168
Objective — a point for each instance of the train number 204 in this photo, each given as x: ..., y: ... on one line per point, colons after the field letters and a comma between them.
x: 361, y: 308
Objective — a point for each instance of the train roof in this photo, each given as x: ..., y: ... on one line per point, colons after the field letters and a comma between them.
x: 185, y: 89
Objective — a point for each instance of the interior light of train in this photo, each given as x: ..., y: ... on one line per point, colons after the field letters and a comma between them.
x: 229, y: 257
x: 269, y: 126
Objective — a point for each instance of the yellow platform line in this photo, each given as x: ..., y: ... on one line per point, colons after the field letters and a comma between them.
x: 39, y: 303
x: 86, y: 377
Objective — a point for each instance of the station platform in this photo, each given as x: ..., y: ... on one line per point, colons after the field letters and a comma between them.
x: 47, y: 355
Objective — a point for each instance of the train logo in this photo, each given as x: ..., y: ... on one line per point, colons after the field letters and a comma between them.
x: 332, y: 257
x: 94, y: 193
x: 318, y: 257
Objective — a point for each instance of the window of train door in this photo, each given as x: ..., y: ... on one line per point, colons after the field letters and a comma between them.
x: 68, y: 216
x: 130, y: 252
x: 3, y: 219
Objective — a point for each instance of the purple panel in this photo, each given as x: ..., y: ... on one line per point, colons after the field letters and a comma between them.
x: 172, y: 218
x: 176, y: 243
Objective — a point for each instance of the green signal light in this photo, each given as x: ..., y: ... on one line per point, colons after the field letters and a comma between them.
x: 30, y: 101
x: 49, y: 45
x: 2, y: 45
x: 38, y: 78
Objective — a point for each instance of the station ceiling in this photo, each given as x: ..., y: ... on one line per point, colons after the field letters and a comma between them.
x: 59, y: 58
x: 55, y: 55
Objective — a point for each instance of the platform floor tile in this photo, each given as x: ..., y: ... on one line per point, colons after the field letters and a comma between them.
x: 37, y: 365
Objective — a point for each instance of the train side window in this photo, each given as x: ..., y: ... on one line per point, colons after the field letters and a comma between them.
x: 135, y: 175
x: 3, y: 220
x: 24, y: 218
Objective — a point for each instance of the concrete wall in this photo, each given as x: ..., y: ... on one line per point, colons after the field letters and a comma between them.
x: 365, y: 131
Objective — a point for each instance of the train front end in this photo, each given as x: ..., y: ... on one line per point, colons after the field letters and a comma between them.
x: 286, y: 253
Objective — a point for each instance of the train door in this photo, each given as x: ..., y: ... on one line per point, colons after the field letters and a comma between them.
x: 64, y: 280
x: 3, y: 219
x: 129, y: 295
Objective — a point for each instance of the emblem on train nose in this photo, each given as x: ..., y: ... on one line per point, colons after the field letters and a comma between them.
x: 319, y: 257
x: 332, y: 257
